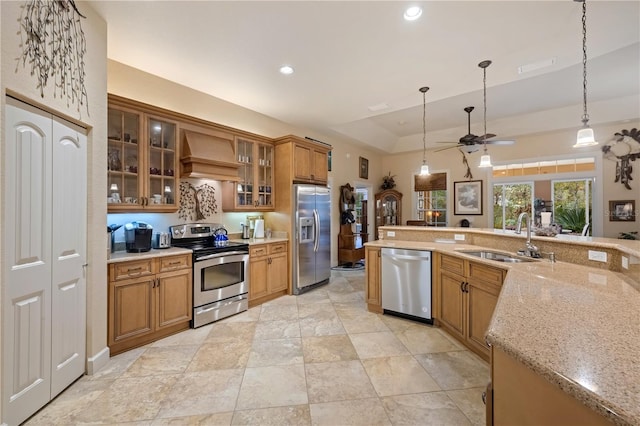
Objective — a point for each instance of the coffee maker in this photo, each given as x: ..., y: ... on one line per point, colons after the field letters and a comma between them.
x: 137, y: 237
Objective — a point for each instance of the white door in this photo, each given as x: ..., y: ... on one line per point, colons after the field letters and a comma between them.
x: 26, y: 299
x: 44, y: 247
x: 69, y: 230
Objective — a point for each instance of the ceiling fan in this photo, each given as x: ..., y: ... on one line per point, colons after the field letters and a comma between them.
x: 471, y: 143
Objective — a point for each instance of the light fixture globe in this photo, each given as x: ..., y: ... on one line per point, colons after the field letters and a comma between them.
x: 424, y: 170
x: 585, y: 136
x: 485, y: 160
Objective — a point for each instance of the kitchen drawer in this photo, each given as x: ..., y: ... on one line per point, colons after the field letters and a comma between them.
x: 171, y: 263
x: 452, y: 264
x: 133, y: 269
x: 486, y: 273
x: 276, y: 248
x: 258, y: 251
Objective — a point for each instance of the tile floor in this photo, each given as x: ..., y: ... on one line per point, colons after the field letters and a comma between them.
x: 319, y: 358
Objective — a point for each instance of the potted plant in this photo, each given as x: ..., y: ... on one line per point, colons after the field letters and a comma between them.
x: 388, y: 182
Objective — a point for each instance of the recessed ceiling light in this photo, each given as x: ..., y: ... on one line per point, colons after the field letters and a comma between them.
x: 412, y: 13
x: 286, y: 69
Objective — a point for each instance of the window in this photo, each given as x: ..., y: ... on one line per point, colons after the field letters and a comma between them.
x: 431, y: 198
x: 509, y: 200
x: 572, y: 203
x: 432, y: 207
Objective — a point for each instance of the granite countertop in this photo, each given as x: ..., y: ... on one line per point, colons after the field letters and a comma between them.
x: 577, y: 326
x: 123, y: 256
x: 630, y: 247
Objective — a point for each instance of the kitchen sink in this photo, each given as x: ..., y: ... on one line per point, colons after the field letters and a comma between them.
x: 497, y: 256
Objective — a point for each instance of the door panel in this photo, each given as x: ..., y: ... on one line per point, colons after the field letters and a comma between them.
x: 69, y: 193
x: 323, y: 256
x: 305, y: 260
x: 26, y: 357
x: 452, y: 302
x: 174, y: 298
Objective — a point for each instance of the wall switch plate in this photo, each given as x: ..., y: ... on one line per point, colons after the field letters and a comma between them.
x: 625, y: 262
x: 458, y: 237
x: 391, y: 233
x: 598, y: 256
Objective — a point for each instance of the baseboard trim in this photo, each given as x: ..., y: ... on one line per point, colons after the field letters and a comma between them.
x: 99, y: 360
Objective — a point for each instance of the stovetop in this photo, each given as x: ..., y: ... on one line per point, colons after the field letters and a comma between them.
x: 200, y: 237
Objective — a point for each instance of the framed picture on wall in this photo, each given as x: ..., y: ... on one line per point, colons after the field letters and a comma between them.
x: 364, y: 168
x: 622, y: 210
x: 467, y: 197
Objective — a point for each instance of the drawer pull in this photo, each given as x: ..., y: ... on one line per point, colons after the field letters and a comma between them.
x: 177, y: 262
x: 139, y: 268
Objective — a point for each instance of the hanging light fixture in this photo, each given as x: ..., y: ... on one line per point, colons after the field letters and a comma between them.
x: 424, y: 170
x: 585, y: 134
x: 485, y: 160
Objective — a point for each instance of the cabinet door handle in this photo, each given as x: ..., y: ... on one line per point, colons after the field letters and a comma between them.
x: 462, y: 286
x: 158, y: 282
x: 484, y: 397
x: 466, y: 287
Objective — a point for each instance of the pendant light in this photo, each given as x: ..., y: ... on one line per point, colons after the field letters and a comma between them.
x: 485, y: 160
x: 585, y: 134
x: 424, y: 170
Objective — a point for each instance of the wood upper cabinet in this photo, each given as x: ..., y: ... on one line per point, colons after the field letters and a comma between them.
x: 256, y: 190
x: 143, y: 159
x: 269, y: 275
x: 467, y: 296
x: 148, y: 299
x: 308, y: 160
x: 373, y: 285
x: 388, y: 209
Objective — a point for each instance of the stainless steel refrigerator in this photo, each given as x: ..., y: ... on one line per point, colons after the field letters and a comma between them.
x: 312, y: 231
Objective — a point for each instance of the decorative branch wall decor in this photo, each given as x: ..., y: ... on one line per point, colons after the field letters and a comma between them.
x: 623, y: 148
x: 197, y: 202
x: 54, y: 45
x: 468, y: 175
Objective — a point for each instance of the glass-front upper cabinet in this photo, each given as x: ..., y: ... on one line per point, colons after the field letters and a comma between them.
x: 142, y: 161
x: 123, y: 162
x: 254, y: 191
x: 162, y: 164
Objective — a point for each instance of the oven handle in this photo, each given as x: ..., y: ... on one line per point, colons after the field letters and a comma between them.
x: 216, y: 255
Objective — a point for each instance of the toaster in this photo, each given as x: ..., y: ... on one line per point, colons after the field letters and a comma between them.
x: 161, y: 240
x: 137, y: 237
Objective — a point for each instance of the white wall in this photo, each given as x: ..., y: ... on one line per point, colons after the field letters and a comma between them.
x: 527, y: 147
x: 22, y: 84
x: 135, y: 84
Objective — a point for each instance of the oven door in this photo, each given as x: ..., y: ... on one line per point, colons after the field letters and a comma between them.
x: 220, y: 276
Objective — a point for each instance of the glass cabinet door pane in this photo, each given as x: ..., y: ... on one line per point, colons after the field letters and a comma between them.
x: 123, y: 130
x: 245, y: 186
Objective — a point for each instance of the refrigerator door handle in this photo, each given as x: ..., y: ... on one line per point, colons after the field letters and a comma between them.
x: 316, y: 222
x: 296, y: 228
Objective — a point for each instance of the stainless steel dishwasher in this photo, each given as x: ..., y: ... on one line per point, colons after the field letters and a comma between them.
x: 406, y: 283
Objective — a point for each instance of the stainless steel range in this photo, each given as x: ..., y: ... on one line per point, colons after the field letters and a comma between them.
x: 220, y: 271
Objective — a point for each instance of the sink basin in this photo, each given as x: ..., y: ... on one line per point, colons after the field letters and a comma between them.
x: 497, y: 256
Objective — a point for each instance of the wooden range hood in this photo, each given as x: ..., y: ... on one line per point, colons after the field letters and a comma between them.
x: 210, y: 156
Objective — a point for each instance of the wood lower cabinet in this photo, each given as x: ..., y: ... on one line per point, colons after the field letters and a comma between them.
x: 268, y: 274
x: 373, y: 284
x: 519, y: 396
x: 467, y: 293
x: 148, y: 300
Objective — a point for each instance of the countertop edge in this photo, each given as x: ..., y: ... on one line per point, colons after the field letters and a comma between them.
x: 123, y: 256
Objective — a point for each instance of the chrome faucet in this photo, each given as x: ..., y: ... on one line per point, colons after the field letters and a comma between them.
x: 530, y: 250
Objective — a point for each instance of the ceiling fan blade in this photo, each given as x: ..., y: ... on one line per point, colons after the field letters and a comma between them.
x: 449, y: 147
x: 480, y: 139
x: 452, y: 142
x: 501, y: 142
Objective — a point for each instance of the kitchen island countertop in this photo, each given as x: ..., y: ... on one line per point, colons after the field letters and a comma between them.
x: 576, y: 326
